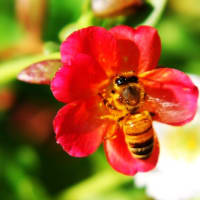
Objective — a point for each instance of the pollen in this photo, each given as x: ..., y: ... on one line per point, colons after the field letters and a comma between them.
x: 122, y: 96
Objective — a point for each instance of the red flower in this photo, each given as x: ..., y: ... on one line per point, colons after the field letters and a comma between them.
x: 113, y: 92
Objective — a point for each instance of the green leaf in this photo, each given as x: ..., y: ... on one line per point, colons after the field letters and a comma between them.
x: 10, y: 69
x: 40, y: 72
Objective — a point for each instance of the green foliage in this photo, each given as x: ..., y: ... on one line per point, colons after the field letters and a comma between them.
x: 7, y: 38
x: 60, y: 13
x: 149, y: 14
x: 10, y: 69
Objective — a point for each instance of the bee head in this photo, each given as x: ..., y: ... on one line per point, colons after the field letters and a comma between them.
x: 122, y: 80
x: 128, y: 89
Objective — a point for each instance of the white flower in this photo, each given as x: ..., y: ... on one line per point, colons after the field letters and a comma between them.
x: 177, y: 175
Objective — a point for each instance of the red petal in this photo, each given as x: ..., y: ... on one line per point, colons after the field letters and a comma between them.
x: 79, y: 81
x: 121, y: 160
x: 148, y: 45
x: 78, y: 128
x: 41, y: 72
x: 171, y: 95
x: 148, y: 42
x: 129, y: 52
x: 95, y: 42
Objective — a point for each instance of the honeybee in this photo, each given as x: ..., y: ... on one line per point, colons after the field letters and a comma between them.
x: 124, y: 102
x: 139, y: 134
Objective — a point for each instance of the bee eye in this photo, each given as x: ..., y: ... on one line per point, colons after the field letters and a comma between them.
x: 132, y: 79
x: 125, y: 80
x: 121, y: 81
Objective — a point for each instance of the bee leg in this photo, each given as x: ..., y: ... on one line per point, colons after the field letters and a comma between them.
x: 111, y: 133
x: 110, y: 137
x: 106, y: 117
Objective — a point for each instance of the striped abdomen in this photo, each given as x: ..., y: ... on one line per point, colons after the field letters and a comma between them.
x: 139, y: 134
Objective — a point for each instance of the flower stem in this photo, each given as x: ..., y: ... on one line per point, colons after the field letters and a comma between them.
x: 159, y: 6
x: 86, y: 6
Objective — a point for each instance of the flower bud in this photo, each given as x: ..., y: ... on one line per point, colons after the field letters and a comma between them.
x: 104, y: 8
x: 30, y: 14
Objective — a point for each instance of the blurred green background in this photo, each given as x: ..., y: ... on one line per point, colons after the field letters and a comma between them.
x: 32, y: 165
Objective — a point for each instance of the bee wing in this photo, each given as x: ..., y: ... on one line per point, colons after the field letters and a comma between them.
x: 170, y: 95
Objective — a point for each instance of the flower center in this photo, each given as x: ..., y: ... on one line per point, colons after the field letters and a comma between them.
x: 124, y: 95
